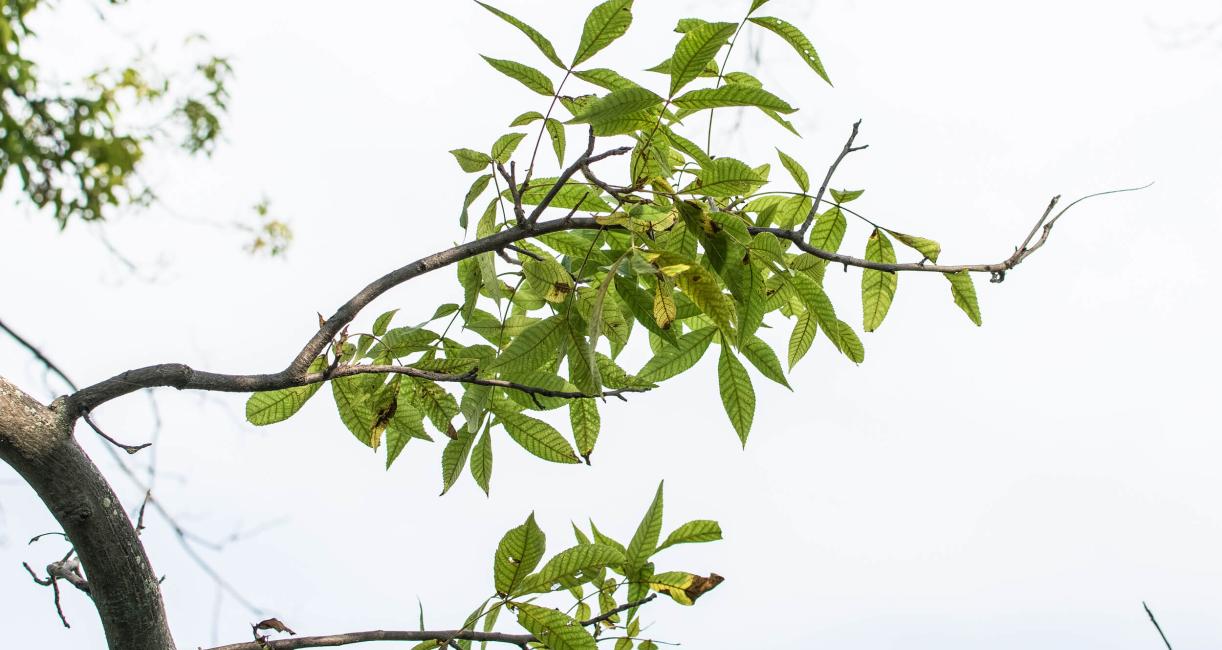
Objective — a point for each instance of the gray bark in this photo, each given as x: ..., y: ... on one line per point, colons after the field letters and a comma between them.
x: 37, y: 441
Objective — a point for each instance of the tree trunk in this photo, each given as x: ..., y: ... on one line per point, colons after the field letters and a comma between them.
x: 37, y: 441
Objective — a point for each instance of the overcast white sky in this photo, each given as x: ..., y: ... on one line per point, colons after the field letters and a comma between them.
x: 1025, y: 484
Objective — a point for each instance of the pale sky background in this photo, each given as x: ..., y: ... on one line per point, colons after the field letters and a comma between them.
x: 1025, y: 484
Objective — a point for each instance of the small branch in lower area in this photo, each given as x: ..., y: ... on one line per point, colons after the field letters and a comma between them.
x: 1156, y: 625
x: 131, y: 449
x: 449, y: 636
x: 68, y: 569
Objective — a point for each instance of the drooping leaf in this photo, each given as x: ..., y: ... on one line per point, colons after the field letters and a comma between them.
x: 761, y: 356
x: 848, y: 343
x: 454, y: 458
x: 533, y: 347
x: 554, y: 629
x: 544, y: 45
x: 353, y: 401
x: 517, y: 555
x: 406, y: 423
x: 606, y: 22
x: 797, y: 40
x: 481, y: 460
x: 737, y: 394
x: 803, y: 335
x: 524, y: 74
x: 555, y: 131
x: 273, y: 406
x: 693, y: 532
x: 675, y: 359
x: 796, y: 170
x: 964, y: 292
x: 701, y: 286
x: 536, y: 436
x: 584, y: 418
x: 877, y: 287
x: 731, y: 95
x: 695, y: 50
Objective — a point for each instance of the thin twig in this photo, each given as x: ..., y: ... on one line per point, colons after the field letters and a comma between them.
x: 520, y: 640
x: 1156, y: 625
x: 814, y: 209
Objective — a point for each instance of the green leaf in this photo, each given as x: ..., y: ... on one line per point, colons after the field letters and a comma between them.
x: 731, y: 95
x: 848, y: 343
x: 526, y: 75
x: 352, y: 400
x: 618, y: 104
x: 605, y: 78
x: 534, y: 347
x: 675, y: 359
x: 544, y: 45
x: 644, y: 542
x: 571, y: 195
x: 828, y: 230
x: 402, y: 341
x: 756, y: 4
x: 695, y: 50
x: 804, y: 329
x: 796, y: 170
x: 382, y: 322
x: 877, y: 287
x: 761, y: 356
x: 688, y: 147
x: 583, y: 557
x: 797, y: 40
x: 693, y: 532
x: 964, y: 292
x: 737, y: 394
x: 526, y: 118
x: 606, y: 22
x: 505, y: 145
x: 535, y: 436
x: 844, y: 196
x: 405, y: 424
x: 273, y: 406
x: 725, y: 177
x: 454, y: 458
x: 517, y: 555
x: 470, y: 160
x: 927, y: 247
x: 555, y: 630
x: 477, y: 188
x: 555, y: 130
x: 701, y: 286
x: 481, y: 460
x: 584, y: 418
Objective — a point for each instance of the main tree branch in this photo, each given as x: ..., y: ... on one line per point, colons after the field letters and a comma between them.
x: 296, y: 374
